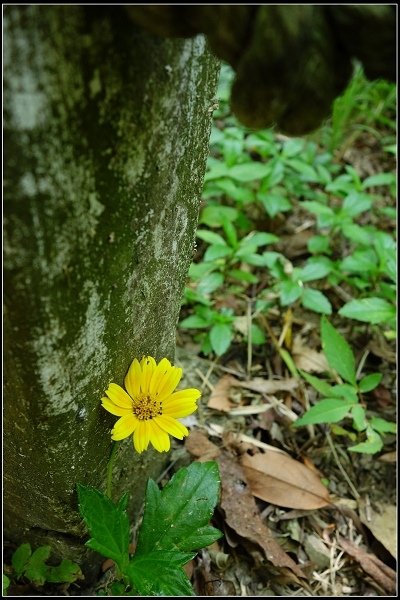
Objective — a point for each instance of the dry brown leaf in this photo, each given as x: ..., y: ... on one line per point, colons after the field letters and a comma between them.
x: 200, y: 446
x: 267, y: 386
x: 241, y: 514
x: 382, y: 524
x: 307, y: 359
x: 389, y: 457
x: 381, y: 573
x: 283, y: 481
x: 219, y: 398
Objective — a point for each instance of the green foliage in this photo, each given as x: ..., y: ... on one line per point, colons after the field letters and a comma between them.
x: 6, y: 584
x: 344, y: 400
x: 175, y: 526
x: 32, y: 566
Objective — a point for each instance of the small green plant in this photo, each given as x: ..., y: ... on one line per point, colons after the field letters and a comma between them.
x: 32, y: 566
x: 345, y: 398
x: 175, y: 526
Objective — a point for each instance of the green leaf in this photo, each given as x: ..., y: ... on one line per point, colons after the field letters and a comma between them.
x: 20, y: 559
x: 66, y: 572
x: 379, y: 179
x: 382, y: 425
x: 318, y: 244
x: 359, y: 419
x: 230, y: 233
x: 6, y: 584
x: 214, y: 216
x: 337, y: 351
x: 346, y: 391
x: 249, y: 171
x: 36, y: 569
x: 274, y: 203
x: 361, y: 261
x: 316, y: 301
x: 210, y: 237
x: 260, y: 238
x: 257, y: 335
x: 370, y: 382
x: 221, y: 337
x: 193, y: 322
x: 210, y: 283
x: 356, y: 203
x: 107, y: 523
x: 216, y: 251
x: 159, y: 573
x: 369, y: 310
x: 357, y: 234
x: 319, y: 384
x: 289, y: 292
x: 328, y: 410
x: 373, y: 444
x: 177, y: 517
x: 243, y: 275
x: 314, y: 270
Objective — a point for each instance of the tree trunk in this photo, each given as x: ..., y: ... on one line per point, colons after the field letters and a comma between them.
x: 106, y: 139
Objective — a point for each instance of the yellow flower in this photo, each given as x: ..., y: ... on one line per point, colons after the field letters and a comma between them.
x: 151, y: 408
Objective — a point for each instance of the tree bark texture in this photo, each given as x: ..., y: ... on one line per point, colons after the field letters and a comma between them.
x: 106, y: 139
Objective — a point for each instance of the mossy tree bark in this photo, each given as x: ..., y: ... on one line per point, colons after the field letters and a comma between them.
x: 106, y: 138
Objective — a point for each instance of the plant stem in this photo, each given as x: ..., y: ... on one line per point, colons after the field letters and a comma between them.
x: 110, y: 465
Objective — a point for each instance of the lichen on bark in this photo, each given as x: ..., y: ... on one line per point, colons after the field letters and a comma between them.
x: 106, y: 138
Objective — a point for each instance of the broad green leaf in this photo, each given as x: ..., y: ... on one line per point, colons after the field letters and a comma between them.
x: 337, y: 351
x: 230, y: 233
x: 318, y: 209
x: 314, y: 270
x: 193, y: 322
x: 220, y: 337
x: 159, y: 573
x: 357, y: 234
x: 20, y: 558
x: 316, y: 301
x: 373, y: 444
x: 216, y: 169
x: 210, y: 237
x: 199, y: 270
x: 369, y: 310
x: 177, y: 517
x: 209, y: 283
x: 274, y: 203
x: 289, y: 292
x: 346, y: 391
x: 382, y: 425
x: 361, y: 261
x: 291, y: 147
x: 107, y: 523
x: 257, y: 335
x: 306, y: 171
x: 260, y: 238
x: 338, y: 430
x: 328, y: 410
x: 318, y: 244
x: 370, y: 382
x: 216, y: 251
x: 36, y: 569
x: 66, y: 572
x: 359, y: 419
x: 379, y: 179
x: 6, y: 584
x: 356, y: 203
x: 319, y: 384
x: 214, y: 216
x: 243, y: 275
x: 249, y: 171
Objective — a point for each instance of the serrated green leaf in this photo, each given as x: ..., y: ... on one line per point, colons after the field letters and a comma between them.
x: 316, y: 301
x: 319, y: 384
x: 177, y: 517
x: 328, y: 410
x: 107, y: 523
x: 20, y: 558
x: 358, y: 415
x: 220, y: 337
x: 160, y: 573
x: 66, y: 572
x: 369, y: 310
x: 382, y: 425
x: 370, y: 382
x: 36, y: 569
x: 337, y: 351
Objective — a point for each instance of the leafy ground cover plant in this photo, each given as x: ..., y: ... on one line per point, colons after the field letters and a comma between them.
x: 344, y: 399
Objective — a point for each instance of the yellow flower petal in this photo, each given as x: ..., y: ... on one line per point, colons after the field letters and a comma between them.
x: 124, y: 427
x: 172, y: 426
x: 159, y: 438
x: 187, y: 394
x: 160, y: 372
x: 148, y: 365
x: 119, y: 396
x: 169, y: 384
x: 133, y: 377
x: 142, y: 436
x: 180, y: 409
x: 114, y: 409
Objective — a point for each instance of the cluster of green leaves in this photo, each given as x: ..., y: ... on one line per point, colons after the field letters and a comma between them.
x: 345, y: 399
x: 31, y: 566
x: 175, y: 526
x: 253, y: 177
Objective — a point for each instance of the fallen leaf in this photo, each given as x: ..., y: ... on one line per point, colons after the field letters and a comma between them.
x: 383, y: 525
x: 238, y: 438
x: 389, y: 457
x: 200, y: 446
x: 283, y: 481
x: 242, y: 515
x: 381, y: 573
x: 307, y: 359
x: 219, y: 399
x: 267, y: 386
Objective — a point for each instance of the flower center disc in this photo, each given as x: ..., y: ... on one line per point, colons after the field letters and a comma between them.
x: 147, y: 407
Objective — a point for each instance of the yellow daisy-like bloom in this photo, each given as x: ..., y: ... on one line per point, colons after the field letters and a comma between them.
x: 151, y: 408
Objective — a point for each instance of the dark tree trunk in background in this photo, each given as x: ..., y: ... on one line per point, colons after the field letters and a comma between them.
x: 106, y: 138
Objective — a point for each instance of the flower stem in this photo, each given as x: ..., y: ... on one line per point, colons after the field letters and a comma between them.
x: 110, y: 465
